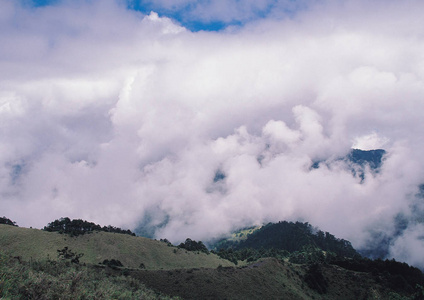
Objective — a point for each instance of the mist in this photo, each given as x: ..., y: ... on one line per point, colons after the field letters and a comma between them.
x: 119, y: 117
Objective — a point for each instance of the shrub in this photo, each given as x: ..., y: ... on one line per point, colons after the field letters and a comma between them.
x: 67, y: 254
x: 112, y: 263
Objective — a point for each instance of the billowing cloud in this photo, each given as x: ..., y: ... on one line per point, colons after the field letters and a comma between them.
x: 121, y: 118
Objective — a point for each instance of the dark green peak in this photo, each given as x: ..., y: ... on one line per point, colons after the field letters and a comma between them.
x: 290, y: 237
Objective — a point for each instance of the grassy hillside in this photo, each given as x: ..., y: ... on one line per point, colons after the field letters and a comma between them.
x: 29, y: 270
x: 131, y: 251
x: 48, y: 279
x: 271, y: 279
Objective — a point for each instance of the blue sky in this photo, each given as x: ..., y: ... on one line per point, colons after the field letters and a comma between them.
x: 146, y: 7
x: 180, y: 15
x: 38, y: 2
x: 191, y: 14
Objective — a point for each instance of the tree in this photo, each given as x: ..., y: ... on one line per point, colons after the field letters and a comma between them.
x: 191, y: 245
x: 4, y: 220
x: 78, y: 227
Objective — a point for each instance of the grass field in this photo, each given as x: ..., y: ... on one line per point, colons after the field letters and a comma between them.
x: 35, y: 244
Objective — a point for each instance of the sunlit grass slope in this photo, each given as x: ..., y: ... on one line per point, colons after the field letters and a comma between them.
x: 132, y: 251
x: 243, y: 233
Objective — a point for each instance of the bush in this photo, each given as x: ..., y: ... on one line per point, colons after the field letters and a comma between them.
x: 113, y: 263
x: 67, y: 254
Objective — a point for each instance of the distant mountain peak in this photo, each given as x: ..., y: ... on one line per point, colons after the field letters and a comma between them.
x: 358, y: 160
x: 374, y: 158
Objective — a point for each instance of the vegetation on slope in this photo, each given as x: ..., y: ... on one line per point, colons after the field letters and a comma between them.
x: 36, y: 264
x: 275, y: 279
x: 131, y: 251
x: 51, y: 279
x: 299, y: 241
x: 264, y: 279
x: 4, y: 220
x: 78, y: 227
x: 399, y: 276
x: 319, y: 253
x: 192, y: 245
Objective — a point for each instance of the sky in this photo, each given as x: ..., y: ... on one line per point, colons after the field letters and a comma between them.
x: 195, y: 118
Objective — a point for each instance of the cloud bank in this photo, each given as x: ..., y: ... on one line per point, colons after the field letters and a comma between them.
x: 117, y: 117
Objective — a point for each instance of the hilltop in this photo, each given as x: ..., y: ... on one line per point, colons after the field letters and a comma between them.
x: 286, y: 237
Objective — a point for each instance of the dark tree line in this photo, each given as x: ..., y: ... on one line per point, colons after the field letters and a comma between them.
x: 250, y: 254
x: 4, y: 220
x: 315, y: 279
x: 78, y: 227
x: 400, y: 276
x: 308, y: 255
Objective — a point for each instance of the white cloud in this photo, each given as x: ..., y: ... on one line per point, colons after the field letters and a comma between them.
x: 410, y: 246
x: 109, y: 115
x: 369, y: 142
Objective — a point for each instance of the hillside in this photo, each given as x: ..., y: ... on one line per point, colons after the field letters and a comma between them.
x: 273, y: 279
x: 30, y: 268
x: 131, y: 251
x: 298, y: 241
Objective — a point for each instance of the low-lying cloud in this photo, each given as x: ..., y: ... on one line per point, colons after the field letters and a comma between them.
x: 132, y: 120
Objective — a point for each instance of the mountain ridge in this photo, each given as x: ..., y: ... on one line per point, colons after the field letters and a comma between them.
x: 141, y: 266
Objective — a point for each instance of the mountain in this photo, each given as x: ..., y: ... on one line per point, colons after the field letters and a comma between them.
x: 297, y: 242
x: 290, y: 237
x: 358, y: 161
x: 36, y: 264
x: 373, y: 158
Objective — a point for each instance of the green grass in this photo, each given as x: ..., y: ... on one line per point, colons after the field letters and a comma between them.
x: 49, y: 279
x: 35, y: 244
x: 242, y: 233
